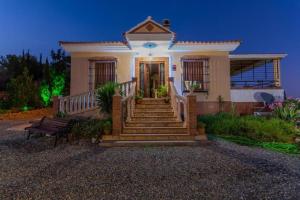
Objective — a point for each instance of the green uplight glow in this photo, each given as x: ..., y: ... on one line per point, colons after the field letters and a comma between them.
x: 58, y: 85
x: 45, y: 94
x: 25, y: 108
x: 56, y: 88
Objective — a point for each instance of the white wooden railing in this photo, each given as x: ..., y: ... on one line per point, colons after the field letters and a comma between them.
x: 179, y: 103
x: 78, y: 103
x: 128, y: 102
x: 87, y: 101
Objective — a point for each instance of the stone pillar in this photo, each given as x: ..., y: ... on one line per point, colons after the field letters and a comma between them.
x: 117, y: 114
x: 191, y: 114
x: 55, y: 105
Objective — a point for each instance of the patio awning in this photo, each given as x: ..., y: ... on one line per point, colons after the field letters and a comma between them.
x: 250, y: 61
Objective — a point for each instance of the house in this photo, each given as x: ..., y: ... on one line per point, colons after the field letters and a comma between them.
x: 151, y: 55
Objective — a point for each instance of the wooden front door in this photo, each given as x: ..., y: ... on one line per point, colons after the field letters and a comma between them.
x: 152, y: 75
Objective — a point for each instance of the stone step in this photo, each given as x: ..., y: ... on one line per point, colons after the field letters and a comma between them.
x: 146, y: 110
x: 154, y: 124
x: 153, y: 114
x: 149, y: 106
x: 154, y: 130
x: 153, y: 143
x: 153, y: 101
x: 155, y: 118
x: 149, y: 137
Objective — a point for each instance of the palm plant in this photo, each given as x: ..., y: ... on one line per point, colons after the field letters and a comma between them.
x: 104, y: 96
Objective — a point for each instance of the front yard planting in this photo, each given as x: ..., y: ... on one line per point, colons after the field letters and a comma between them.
x: 270, y: 133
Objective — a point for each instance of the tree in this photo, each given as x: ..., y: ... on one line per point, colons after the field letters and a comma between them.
x: 22, y: 90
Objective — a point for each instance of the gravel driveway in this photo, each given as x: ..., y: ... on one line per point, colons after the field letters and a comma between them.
x: 35, y: 170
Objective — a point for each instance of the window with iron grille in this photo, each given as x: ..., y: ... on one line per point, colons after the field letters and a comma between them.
x: 195, y: 74
x: 104, y: 72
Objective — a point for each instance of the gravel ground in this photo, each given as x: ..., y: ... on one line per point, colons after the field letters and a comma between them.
x: 35, y: 170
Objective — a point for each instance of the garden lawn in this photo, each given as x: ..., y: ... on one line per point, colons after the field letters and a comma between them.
x: 273, y: 133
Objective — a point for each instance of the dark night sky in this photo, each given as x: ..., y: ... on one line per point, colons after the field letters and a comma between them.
x: 264, y: 26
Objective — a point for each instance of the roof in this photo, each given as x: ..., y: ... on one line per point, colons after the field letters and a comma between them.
x: 114, y: 46
x: 106, y: 43
x: 229, y: 45
x: 149, y: 19
x: 256, y: 56
x: 206, y: 42
x: 136, y: 37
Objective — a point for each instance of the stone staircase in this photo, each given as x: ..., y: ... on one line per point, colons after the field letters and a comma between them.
x: 154, y: 119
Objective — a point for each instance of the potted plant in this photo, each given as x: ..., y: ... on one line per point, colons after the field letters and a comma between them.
x: 194, y: 87
x: 107, y: 127
x: 139, y: 97
x: 162, y: 91
x: 201, y: 128
x: 167, y: 100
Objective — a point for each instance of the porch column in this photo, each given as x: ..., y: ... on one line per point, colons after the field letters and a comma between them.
x: 276, y: 71
x: 117, y: 114
x: 191, y: 114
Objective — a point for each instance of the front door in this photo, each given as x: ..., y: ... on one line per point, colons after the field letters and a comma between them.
x: 152, y: 75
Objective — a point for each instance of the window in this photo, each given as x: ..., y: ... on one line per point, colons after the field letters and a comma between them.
x: 195, y: 72
x: 104, y: 72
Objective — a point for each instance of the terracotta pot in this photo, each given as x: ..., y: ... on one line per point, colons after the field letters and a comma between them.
x: 201, y: 131
x: 138, y: 101
x: 107, y: 131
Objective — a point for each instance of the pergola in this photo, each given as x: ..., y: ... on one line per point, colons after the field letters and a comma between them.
x: 255, y: 70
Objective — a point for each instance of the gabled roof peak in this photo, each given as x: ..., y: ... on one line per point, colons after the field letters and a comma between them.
x: 149, y: 26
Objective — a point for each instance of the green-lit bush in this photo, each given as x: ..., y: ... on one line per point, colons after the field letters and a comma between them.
x: 22, y: 91
x: 256, y: 128
x: 104, y: 96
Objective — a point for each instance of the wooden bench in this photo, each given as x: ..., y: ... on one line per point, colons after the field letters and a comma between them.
x: 50, y: 127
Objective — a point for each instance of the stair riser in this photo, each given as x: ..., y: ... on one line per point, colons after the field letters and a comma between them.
x: 150, y: 106
x: 156, y: 138
x: 157, y: 102
x: 143, y: 119
x: 146, y: 110
x: 155, y: 131
x: 155, y: 124
x: 153, y: 114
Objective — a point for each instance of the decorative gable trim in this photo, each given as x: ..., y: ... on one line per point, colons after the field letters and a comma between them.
x: 149, y: 26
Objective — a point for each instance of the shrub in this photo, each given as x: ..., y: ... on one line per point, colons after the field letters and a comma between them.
x: 288, y: 110
x: 22, y: 91
x: 104, y: 96
x: 256, y: 128
x: 107, y: 126
x: 162, y: 91
x: 87, y: 128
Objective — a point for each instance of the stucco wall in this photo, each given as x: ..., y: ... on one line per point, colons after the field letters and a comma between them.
x: 219, y: 72
x: 219, y: 75
x: 257, y: 95
x: 80, y: 69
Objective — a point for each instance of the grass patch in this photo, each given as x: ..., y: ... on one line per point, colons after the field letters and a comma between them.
x: 274, y: 146
x: 273, y: 133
